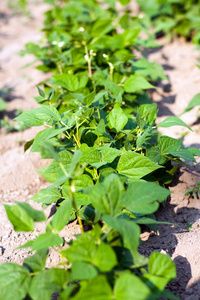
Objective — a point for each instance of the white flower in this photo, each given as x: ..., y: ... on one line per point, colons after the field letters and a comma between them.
x: 86, y: 57
x: 81, y: 29
x: 61, y: 44
x: 105, y: 55
x: 73, y: 189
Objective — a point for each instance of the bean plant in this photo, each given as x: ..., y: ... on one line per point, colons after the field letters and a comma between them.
x: 109, y: 163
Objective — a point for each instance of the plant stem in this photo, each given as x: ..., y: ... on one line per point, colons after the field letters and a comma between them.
x: 88, y: 61
x: 72, y: 190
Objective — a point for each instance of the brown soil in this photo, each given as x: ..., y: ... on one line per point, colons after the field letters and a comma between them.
x: 19, y: 181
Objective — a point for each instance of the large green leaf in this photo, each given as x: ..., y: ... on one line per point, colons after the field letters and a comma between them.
x: 161, y: 265
x: 36, y: 215
x: 172, y: 121
x: 68, y: 81
x: 129, y: 231
x: 96, y: 288
x: 143, y: 197
x: 108, y: 197
x: 130, y: 287
x: 117, y: 119
x: 62, y: 215
x: 83, y: 271
x: 14, y: 281
x: 168, y: 144
x: 43, y: 285
x: 48, y: 195
x: 19, y: 217
x: 45, y: 135
x: 135, y: 166
x: 40, y: 115
x: 84, y: 249
x: 136, y: 83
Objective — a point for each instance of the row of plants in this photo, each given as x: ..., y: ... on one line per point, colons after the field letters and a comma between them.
x: 174, y: 17
x: 109, y: 163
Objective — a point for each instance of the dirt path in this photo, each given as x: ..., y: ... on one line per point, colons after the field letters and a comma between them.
x: 19, y: 181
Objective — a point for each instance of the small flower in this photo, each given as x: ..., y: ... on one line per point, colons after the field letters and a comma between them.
x: 61, y: 44
x: 81, y: 29
x: 105, y: 55
x: 86, y: 57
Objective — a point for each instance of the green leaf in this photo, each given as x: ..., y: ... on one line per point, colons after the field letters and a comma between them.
x: 19, y: 218
x: 43, y: 285
x: 129, y: 286
x: 173, y: 121
x: 168, y: 144
x: 162, y: 265
x: 117, y: 119
x: 109, y: 154
x: 143, y: 197
x: 108, y: 197
x: 129, y: 231
x: 14, y: 281
x: 85, y: 249
x: 40, y: 91
x: 45, y: 135
x: 194, y: 151
x: 136, y: 83
x: 36, y: 262
x: 194, y: 102
x: 62, y: 215
x: 96, y: 288
x: 40, y: 115
x: 184, y: 154
x: 135, y: 166
x: 148, y: 113
x: 48, y: 195
x: 46, y: 240
x: 124, y: 2
x: 68, y: 81
x: 83, y: 271
x: 36, y: 215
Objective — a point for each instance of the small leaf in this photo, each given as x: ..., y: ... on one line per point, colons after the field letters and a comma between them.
x: 14, y: 281
x: 19, y: 218
x: 194, y: 102
x: 136, y: 83
x: 173, y: 121
x: 117, y: 118
x: 36, y: 262
x: 96, y: 288
x: 46, y: 240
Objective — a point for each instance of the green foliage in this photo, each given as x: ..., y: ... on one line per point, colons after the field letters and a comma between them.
x: 108, y: 160
x: 175, y: 17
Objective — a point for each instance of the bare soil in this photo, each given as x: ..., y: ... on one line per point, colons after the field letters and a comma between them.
x: 19, y: 179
